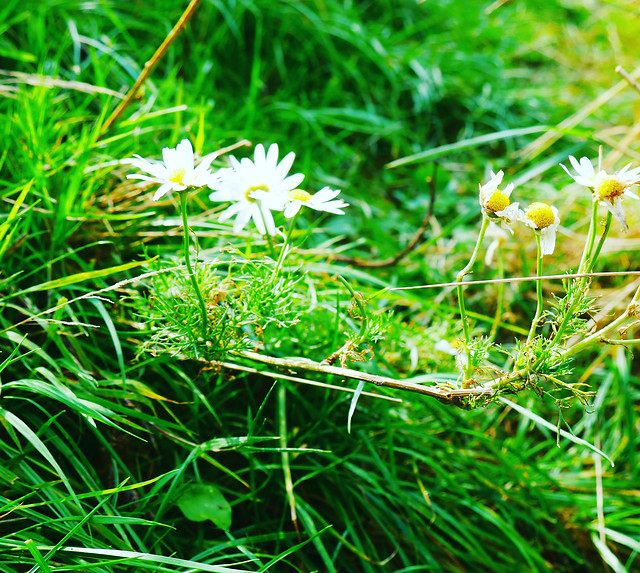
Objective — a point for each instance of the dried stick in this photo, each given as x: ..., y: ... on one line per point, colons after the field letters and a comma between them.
x: 634, y: 84
x: 445, y: 395
x: 521, y: 279
x: 180, y: 24
x: 412, y: 244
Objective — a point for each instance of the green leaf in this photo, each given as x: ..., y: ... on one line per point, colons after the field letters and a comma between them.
x: 466, y: 144
x: 542, y: 422
x: 201, y: 501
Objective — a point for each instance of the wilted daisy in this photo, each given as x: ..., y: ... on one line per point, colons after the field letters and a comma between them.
x: 608, y: 188
x: 543, y: 219
x: 177, y: 173
x: 323, y: 200
x: 256, y: 188
x: 495, y: 202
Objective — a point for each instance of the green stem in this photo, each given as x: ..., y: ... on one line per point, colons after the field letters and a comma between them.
x: 459, y: 278
x: 272, y: 249
x: 581, y: 282
x: 283, y: 252
x: 632, y: 310
x: 536, y: 319
x: 591, y: 237
x: 187, y: 260
x: 500, y: 298
x: 596, y: 254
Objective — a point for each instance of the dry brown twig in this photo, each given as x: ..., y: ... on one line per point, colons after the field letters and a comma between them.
x: 415, y: 241
x: 144, y: 74
x: 446, y: 395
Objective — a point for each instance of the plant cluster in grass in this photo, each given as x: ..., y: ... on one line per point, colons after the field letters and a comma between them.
x: 140, y: 430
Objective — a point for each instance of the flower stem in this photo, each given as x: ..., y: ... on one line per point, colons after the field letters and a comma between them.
x: 500, y: 299
x: 631, y: 311
x: 536, y: 319
x: 187, y: 260
x: 591, y: 237
x: 596, y: 254
x: 459, y: 278
x: 272, y: 249
x: 283, y: 252
x: 579, y: 288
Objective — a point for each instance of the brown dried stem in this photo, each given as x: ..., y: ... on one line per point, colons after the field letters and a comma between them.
x: 417, y: 238
x: 634, y: 84
x: 445, y: 395
x: 180, y: 24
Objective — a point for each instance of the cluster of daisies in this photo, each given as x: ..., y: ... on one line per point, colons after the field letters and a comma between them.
x: 255, y: 189
x: 608, y: 191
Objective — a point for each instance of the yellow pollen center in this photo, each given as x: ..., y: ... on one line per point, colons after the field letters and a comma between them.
x: 498, y: 201
x: 608, y: 187
x: 541, y: 215
x: 253, y: 188
x: 177, y: 175
x: 299, y: 194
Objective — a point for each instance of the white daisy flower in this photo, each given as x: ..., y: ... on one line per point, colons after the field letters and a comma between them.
x: 177, y: 173
x: 323, y: 200
x: 543, y: 219
x: 608, y: 188
x: 496, y: 204
x: 256, y: 188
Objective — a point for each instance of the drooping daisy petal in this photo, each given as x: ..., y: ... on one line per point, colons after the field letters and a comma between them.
x: 615, y: 207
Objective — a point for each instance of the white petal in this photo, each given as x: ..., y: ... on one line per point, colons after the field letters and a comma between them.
x: 586, y: 168
x: 163, y: 190
x: 242, y: 219
x: 230, y: 212
x: 617, y: 211
x: 206, y: 162
x: 292, y: 208
x: 488, y: 188
x: 269, y: 222
x: 292, y: 181
x: 326, y: 194
x: 272, y: 155
x: 170, y: 157
x: 547, y: 240
x: 156, y: 169
x: 184, y: 154
x: 258, y: 221
x: 283, y: 168
x: 258, y: 154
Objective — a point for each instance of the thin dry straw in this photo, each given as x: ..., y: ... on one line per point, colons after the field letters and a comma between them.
x: 522, y: 279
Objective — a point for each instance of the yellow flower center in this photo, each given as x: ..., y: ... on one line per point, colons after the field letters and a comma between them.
x: 608, y: 187
x: 541, y: 215
x: 299, y: 195
x: 177, y: 175
x: 498, y: 201
x: 250, y: 190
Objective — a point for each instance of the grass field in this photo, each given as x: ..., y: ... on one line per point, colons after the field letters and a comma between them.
x: 136, y: 436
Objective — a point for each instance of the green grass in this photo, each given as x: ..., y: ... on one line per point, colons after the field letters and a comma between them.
x: 104, y: 428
